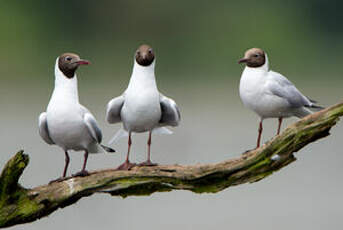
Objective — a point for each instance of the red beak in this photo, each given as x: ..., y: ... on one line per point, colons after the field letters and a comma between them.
x: 83, y: 62
x: 243, y: 60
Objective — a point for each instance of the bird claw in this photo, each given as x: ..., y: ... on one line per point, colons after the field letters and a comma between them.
x: 127, y: 165
x: 148, y: 164
x: 247, y: 151
x: 58, y: 180
x: 82, y: 173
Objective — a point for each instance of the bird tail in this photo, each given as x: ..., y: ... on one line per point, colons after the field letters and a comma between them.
x: 123, y: 133
x: 162, y: 130
x: 99, y: 148
x: 120, y: 134
x: 107, y: 149
x: 302, y: 112
x: 313, y: 105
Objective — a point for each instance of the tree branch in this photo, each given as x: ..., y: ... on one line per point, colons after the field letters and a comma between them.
x: 20, y: 205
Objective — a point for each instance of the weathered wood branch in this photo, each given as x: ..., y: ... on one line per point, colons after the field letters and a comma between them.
x: 20, y: 205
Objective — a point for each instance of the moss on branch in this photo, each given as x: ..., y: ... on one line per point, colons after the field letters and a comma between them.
x: 20, y: 205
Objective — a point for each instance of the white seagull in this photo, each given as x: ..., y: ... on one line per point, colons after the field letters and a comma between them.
x: 66, y: 122
x: 268, y: 93
x: 142, y: 108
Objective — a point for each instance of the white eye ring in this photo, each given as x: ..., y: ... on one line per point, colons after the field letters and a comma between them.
x: 68, y: 58
x: 150, y: 50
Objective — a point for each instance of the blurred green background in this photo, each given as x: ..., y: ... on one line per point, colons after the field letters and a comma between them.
x: 197, y: 44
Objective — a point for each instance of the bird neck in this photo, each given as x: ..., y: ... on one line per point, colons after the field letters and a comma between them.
x: 143, y: 76
x: 65, y: 87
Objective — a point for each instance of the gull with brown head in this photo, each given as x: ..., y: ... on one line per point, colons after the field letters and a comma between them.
x: 268, y: 93
x: 66, y: 122
x: 142, y: 108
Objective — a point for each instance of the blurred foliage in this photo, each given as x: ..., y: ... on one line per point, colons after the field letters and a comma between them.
x: 192, y: 39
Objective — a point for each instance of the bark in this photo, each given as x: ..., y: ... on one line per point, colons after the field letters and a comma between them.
x: 20, y: 205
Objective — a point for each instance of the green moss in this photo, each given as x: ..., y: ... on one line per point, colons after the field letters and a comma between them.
x: 19, y: 210
x: 10, y: 175
x: 259, y: 164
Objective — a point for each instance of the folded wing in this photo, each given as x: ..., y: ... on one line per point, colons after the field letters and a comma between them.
x: 113, y: 110
x: 43, y: 129
x: 170, y: 112
x: 92, y: 125
x: 282, y: 87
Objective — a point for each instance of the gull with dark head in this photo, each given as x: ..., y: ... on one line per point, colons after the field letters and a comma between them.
x: 66, y: 122
x: 142, y: 108
x: 268, y: 93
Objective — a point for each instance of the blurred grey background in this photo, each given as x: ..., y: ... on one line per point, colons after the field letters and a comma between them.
x: 197, y: 44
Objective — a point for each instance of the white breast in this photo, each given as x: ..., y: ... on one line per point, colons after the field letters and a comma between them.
x: 256, y: 96
x: 141, y: 110
x: 65, y: 116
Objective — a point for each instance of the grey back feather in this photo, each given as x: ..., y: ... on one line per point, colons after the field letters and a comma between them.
x: 282, y: 87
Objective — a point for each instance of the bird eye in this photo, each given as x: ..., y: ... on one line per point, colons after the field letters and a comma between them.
x: 150, y: 51
x: 138, y: 52
x: 68, y: 58
x: 256, y: 55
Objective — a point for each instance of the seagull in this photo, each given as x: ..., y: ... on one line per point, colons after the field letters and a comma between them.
x: 268, y: 93
x: 142, y: 108
x: 66, y: 122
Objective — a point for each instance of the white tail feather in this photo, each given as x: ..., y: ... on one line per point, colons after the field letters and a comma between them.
x: 161, y: 130
x: 120, y: 134
x: 123, y: 133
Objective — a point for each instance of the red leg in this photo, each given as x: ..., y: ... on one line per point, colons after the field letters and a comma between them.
x: 148, y: 161
x: 127, y: 165
x: 260, y: 129
x: 83, y: 172
x: 67, y: 159
x: 279, y: 127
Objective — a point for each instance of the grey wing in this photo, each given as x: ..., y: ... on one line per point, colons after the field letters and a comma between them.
x: 113, y: 109
x: 170, y: 112
x: 43, y: 129
x: 282, y: 87
x: 92, y: 125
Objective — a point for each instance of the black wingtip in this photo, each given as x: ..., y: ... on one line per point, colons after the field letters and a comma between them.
x: 315, y: 107
x: 108, y: 149
x: 313, y: 101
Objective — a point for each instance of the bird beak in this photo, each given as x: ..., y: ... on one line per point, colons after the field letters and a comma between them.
x: 83, y: 62
x: 144, y: 56
x: 242, y: 60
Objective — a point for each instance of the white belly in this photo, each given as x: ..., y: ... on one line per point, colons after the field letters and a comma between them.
x: 267, y: 106
x: 67, y: 129
x: 256, y: 97
x: 141, y: 112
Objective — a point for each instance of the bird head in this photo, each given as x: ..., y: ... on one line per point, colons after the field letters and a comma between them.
x: 69, y: 62
x: 254, y: 57
x: 145, y: 55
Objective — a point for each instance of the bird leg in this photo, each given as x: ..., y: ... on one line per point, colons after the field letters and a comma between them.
x: 279, y: 127
x: 260, y: 129
x: 83, y: 172
x: 127, y: 165
x: 148, y: 161
x: 67, y: 159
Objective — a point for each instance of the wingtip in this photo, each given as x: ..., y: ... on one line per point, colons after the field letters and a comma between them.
x: 108, y: 149
x: 315, y: 107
